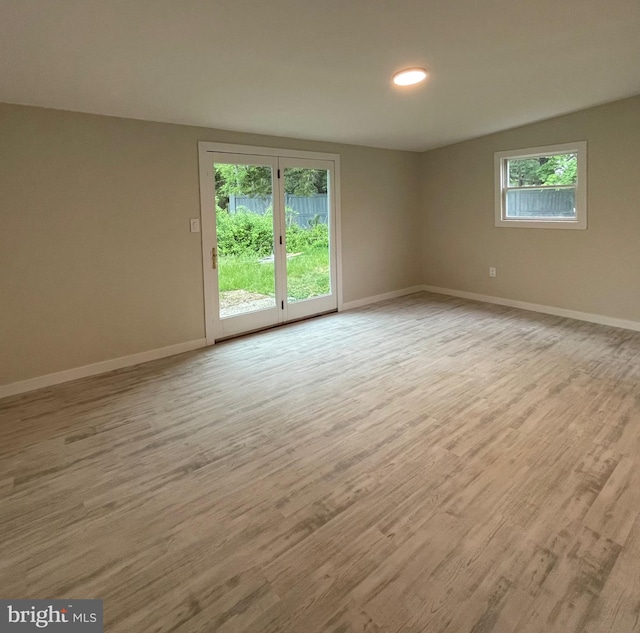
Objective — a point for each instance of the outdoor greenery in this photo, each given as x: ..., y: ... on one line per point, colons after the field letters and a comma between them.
x: 307, y: 274
x: 245, y: 242
x: 245, y: 238
x: 255, y: 181
x: 558, y: 169
x: 250, y: 234
x: 244, y: 233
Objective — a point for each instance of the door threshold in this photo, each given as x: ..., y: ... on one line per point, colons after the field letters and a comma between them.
x: 275, y: 325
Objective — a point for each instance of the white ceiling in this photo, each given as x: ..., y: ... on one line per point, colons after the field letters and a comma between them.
x: 321, y: 69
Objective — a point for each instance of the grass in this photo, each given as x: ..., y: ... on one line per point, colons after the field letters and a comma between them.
x: 307, y: 274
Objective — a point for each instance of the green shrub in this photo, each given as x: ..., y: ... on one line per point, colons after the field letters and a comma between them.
x: 250, y: 234
x: 299, y: 239
x: 244, y: 233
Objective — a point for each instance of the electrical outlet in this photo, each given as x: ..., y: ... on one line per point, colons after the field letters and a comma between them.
x: 492, y: 272
x: 195, y: 225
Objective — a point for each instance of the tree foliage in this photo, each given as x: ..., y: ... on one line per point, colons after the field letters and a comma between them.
x: 559, y: 169
x: 255, y: 181
x: 301, y: 181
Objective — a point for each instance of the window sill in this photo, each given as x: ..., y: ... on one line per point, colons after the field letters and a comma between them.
x: 542, y: 224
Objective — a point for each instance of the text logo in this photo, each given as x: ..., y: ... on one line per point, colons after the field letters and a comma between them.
x: 53, y: 616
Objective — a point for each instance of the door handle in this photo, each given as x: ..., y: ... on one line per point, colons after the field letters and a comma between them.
x: 214, y: 258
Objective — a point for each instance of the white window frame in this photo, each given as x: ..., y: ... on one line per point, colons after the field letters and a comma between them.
x: 501, y: 187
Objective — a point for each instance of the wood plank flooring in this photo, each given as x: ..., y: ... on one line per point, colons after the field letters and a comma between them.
x: 426, y: 464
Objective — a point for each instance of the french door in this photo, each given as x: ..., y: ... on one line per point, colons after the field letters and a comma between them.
x: 269, y: 236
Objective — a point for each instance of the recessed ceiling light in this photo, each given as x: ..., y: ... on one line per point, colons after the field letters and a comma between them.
x: 409, y: 76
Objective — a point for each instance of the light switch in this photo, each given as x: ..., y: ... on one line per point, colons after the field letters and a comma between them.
x: 195, y: 225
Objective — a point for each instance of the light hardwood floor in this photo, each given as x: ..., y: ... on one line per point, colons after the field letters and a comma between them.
x: 424, y: 464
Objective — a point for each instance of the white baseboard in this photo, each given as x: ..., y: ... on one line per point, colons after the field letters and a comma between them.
x: 23, y: 386
x: 48, y: 380
x: 537, y: 307
x: 358, y: 303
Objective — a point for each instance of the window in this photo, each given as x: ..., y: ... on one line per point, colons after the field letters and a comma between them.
x: 542, y: 187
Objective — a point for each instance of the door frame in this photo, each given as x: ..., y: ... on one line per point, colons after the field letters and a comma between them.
x: 208, y: 217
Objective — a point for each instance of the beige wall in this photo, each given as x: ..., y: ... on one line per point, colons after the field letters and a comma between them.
x: 97, y: 262
x: 96, y: 257
x: 596, y: 271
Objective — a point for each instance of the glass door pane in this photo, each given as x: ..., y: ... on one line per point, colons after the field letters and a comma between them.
x: 307, y: 219
x: 245, y: 239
